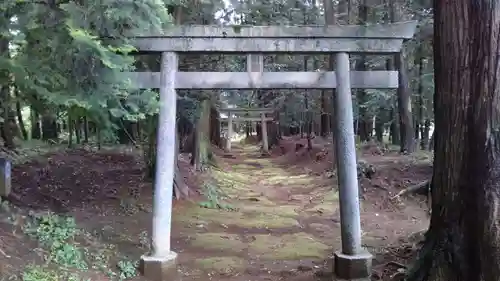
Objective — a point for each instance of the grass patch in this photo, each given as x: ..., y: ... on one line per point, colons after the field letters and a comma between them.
x: 288, y: 247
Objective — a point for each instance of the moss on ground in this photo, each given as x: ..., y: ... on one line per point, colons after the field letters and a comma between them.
x: 325, y: 194
x: 289, y: 211
x: 262, y: 204
x: 243, y: 219
x: 231, y: 180
x: 284, y: 179
x: 332, y: 195
x: 221, y: 265
x: 218, y: 241
x: 288, y: 247
x: 326, y: 204
x: 325, y: 209
x: 321, y: 227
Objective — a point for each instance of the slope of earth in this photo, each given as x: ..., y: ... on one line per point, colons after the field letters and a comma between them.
x: 275, y: 222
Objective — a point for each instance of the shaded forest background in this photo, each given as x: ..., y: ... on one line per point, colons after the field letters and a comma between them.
x: 60, y: 82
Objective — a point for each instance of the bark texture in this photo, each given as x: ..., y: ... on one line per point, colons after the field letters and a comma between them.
x: 463, y: 241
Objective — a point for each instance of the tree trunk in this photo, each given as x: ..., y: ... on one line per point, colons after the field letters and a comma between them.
x: 99, y: 138
x: 202, y: 136
x: 6, y: 127
x: 308, y: 113
x: 463, y: 241
x: 404, y: 106
x: 19, y: 115
x: 365, y: 121
x: 394, y: 128
x: 248, y: 129
x: 431, y: 141
x: 308, y: 122
x: 124, y: 131
x: 78, y: 130
x: 181, y: 189
x: 49, y: 127
x: 71, y: 131
x: 215, y: 128
x: 325, y: 118
x: 422, y: 122
x: 85, y: 129
x: 36, y: 132
x: 425, y: 134
x: 379, y: 128
x: 327, y: 96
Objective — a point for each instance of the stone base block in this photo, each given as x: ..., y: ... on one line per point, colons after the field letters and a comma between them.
x: 162, y: 268
x: 355, y: 267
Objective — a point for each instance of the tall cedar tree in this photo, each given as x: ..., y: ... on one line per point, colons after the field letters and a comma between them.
x: 463, y: 241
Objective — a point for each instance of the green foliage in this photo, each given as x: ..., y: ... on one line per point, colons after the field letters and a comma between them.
x: 69, y: 56
x: 50, y: 228
x: 44, y: 273
x: 38, y: 273
x: 57, y: 234
x: 127, y: 269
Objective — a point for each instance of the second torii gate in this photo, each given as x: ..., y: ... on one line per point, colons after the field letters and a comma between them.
x: 352, y: 262
x: 262, y: 118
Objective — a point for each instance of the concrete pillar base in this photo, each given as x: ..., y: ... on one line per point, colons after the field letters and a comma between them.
x: 355, y: 267
x: 156, y: 268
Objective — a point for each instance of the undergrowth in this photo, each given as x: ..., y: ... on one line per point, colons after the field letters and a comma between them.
x: 63, y: 254
x: 215, y: 197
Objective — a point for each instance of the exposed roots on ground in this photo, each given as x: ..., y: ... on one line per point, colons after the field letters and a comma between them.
x: 421, y: 188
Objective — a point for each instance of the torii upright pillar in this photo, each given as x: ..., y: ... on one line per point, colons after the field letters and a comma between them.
x: 161, y: 264
x: 352, y: 262
x: 263, y: 126
x: 229, y: 131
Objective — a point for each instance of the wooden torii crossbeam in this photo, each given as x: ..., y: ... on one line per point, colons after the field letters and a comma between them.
x: 263, y: 119
x: 274, y: 39
x: 243, y: 119
x: 352, y: 262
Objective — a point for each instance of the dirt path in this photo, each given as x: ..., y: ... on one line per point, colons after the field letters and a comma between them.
x: 282, y: 224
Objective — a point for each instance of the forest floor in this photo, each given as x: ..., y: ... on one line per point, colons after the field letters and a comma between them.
x: 277, y: 218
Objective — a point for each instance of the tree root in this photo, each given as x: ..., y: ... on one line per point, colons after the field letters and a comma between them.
x: 396, y: 264
x: 3, y: 253
x: 418, y: 188
x: 419, y: 271
x: 181, y: 190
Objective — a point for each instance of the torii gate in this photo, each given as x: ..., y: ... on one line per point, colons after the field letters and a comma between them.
x: 262, y: 119
x: 352, y: 262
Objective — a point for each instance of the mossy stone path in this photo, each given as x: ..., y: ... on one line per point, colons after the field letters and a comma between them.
x: 277, y: 221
